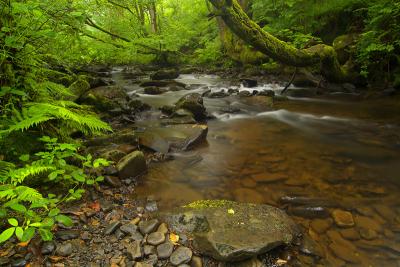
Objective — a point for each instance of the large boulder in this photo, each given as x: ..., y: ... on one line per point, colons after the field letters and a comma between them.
x: 132, y: 165
x: 194, y: 103
x: 344, y: 46
x: 153, y: 90
x: 165, y: 75
x: 231, y: 231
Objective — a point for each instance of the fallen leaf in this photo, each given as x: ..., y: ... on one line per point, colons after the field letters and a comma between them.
x: 231, y: 211
x: 95, y: 206
x: 280, y: 262
x: 174, y: 238
x: 55, y: 259
x: 24, y: 244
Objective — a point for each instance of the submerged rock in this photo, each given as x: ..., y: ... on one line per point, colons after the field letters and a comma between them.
x: 153, y: 90
x: 132, y: 165
x: 231, y: 231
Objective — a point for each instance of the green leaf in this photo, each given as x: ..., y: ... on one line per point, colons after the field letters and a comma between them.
x: 90, y: 182
x: 100, y: 179
x: 54, y: 212
x: 53, y: 175
x: 19, y: 232
x: 28, y: 234
x: 24, y: 157
x: 13, y: 222
x: 67, y: 221
x: 3, y: 213
x: 18, y: 207
x: 5, y: 235
x: 46, y: 234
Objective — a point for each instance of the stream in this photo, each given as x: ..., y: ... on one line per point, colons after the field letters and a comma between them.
x: 309, y: 156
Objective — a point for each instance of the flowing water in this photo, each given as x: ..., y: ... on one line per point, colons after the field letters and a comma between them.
x: 309, y: 156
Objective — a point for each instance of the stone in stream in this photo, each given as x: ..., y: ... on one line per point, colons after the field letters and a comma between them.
x: 147, y: 227
x: 165, y: 250
x: 231, y: 231
x: 320, y: 226
x: 343, y: 218
x: 165, y: 83
x: 309, y: 212
x: 156, y: 238
x: 132, y: 165
x: 180, y: 256
x: 105, y: 98
x: 194, y: 103
x: 147, y: 249
x: 113, y: 155
x: 153, y: 90
x: 249, y: 83
x: 163, y: 228
x: 300, y: 201
x: 165, y: 75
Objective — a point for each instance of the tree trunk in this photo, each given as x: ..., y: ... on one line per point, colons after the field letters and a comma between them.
x: 239, y: 22
x: 153, y: 17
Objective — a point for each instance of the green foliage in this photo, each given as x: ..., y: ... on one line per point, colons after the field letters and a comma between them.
x: 26, y: 209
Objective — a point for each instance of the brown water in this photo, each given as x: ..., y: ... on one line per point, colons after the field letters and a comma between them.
x: 325, y: 154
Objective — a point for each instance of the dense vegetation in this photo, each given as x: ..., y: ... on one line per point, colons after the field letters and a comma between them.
x: 45, y: 43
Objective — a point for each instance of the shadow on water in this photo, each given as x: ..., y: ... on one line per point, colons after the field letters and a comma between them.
x: 323, y: 153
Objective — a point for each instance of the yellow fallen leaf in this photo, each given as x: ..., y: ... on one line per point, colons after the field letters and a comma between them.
x: 24, y: 244
x: 174, y: 238
x: 280, y: 262
x: 231, y: 211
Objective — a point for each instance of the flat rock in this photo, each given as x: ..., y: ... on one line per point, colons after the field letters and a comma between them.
x: 180, y: 256
x: 155, y: 238
x: 134, y: 250
x: 64, y: 250
x: 165, y: 250
x: 343, y: 218
x: 67, y: 234
x: 112, y: 227
x: 147, y: 227
x: 129, y: 228
x: 231, y: 231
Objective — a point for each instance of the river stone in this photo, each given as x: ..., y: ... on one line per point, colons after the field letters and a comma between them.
x: 343, y: 218
x: 132, y: 165
x: 165, y: 75
x: 196, y: 262
x: 153, y: 90
x: 194, y: 103
x: 320, y: 226
x: 143, y: 264
x: 155, y: 238
x: 180, y: 256
x: 165, y: 250
x: 48, y: 247
x: 147, y: 227
x: 245, y: 231
x: 134, y: 250
x: 112, y: 227
x: 105, y: 98
x: 64, y: 250
x: 67, y: 234
x: 163, y: 228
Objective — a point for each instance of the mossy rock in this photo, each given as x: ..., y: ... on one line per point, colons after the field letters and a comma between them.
x: 232, y: 231
x: 193, y: 103
x: 105, y: 98
x: 79, y: 87
x: 344, y: 46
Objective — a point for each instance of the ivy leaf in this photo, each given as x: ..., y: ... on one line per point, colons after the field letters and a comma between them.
x: 7, y: 234
x: 13, y: 222
x: 67, y: 221
x: 46, y: 234
x: 19, y: 232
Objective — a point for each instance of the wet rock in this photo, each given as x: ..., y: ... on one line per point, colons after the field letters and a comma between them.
x: 343, y: 249
x: 350, y: 234
x: 19, y: 262
x: 165, y: 75
x: 149, y: 250
x: 113, y: 181
x: 134, y: 250
x: 300, y: 201
x: 132, y: 165
x: 175, y: 88
x: 151, y: 206
x: 105, y: 98
x: 254, y: 262
x: 137, y: 105
x: 367, y: 223
x: 196, y: 262
x: 113, y: 155
x: 194, y: 103
x: 368, y: 234
x: 269, y: 93
x: 249, y: 83
x: 111, y: 228
x: 147, y: 227
x: 219, y: 94
x: 309, y: 212
x: 127, y: 136
x: 245, y: 94
x: 67, y: 234
x: 302, y: 80
x: 311, y: 248
x: 343, y: 218
x: 143, y: 264
x: 163, y: 228
x: 48, y: 247
x: 163, y: 83
x: 155, y: 238
x: 152, y: 90
x: 230, y: 236
x: 64, y: 250
x: 181, y: 255
x: 165, y: 250
x: 269, y: 177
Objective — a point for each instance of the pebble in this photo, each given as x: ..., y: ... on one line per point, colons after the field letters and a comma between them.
x: 64, y: 249
x: 86, y: 236
x: 67, y: 234
x: 196, y: 262
x: 309, y: 212
x: 143, y: 264
x: 19, y: 263
x: 350, y: 234
x: 151, y: 206
x: 165, y: 250
x: 48, y: 247
x: 137, y: 236
x: 343, y: 218
x: 111, y: 228
x: 129, y: 228
x: 147, y: 249
x: 156, y: 238
x: 368, y: 234
x: 134, y: 250
x: 320, y: 226
x: 181, y: 255
x: 367, y: 223
x: 113, y: 181
x: 152, y: 259
x: 163, y: 228
x: 147, y: 227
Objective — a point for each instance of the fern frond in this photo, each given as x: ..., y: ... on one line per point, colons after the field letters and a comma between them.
x: 17, y: 176
x: 27, y: 194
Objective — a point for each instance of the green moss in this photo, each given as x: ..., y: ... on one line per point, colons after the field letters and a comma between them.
x: 202, y: 204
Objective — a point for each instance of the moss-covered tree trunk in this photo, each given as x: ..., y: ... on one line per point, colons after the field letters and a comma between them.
x: 236, y: 48
x: 239, y: 22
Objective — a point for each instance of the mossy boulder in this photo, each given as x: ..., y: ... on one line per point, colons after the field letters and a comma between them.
x: 153, y: 90
x: 194, y: 103
x: 79, y: 87
x: 105, y: 98
x: 232, y: 231
x: 132, y: 165
x: 344, y: 46
x: 165, y: 75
